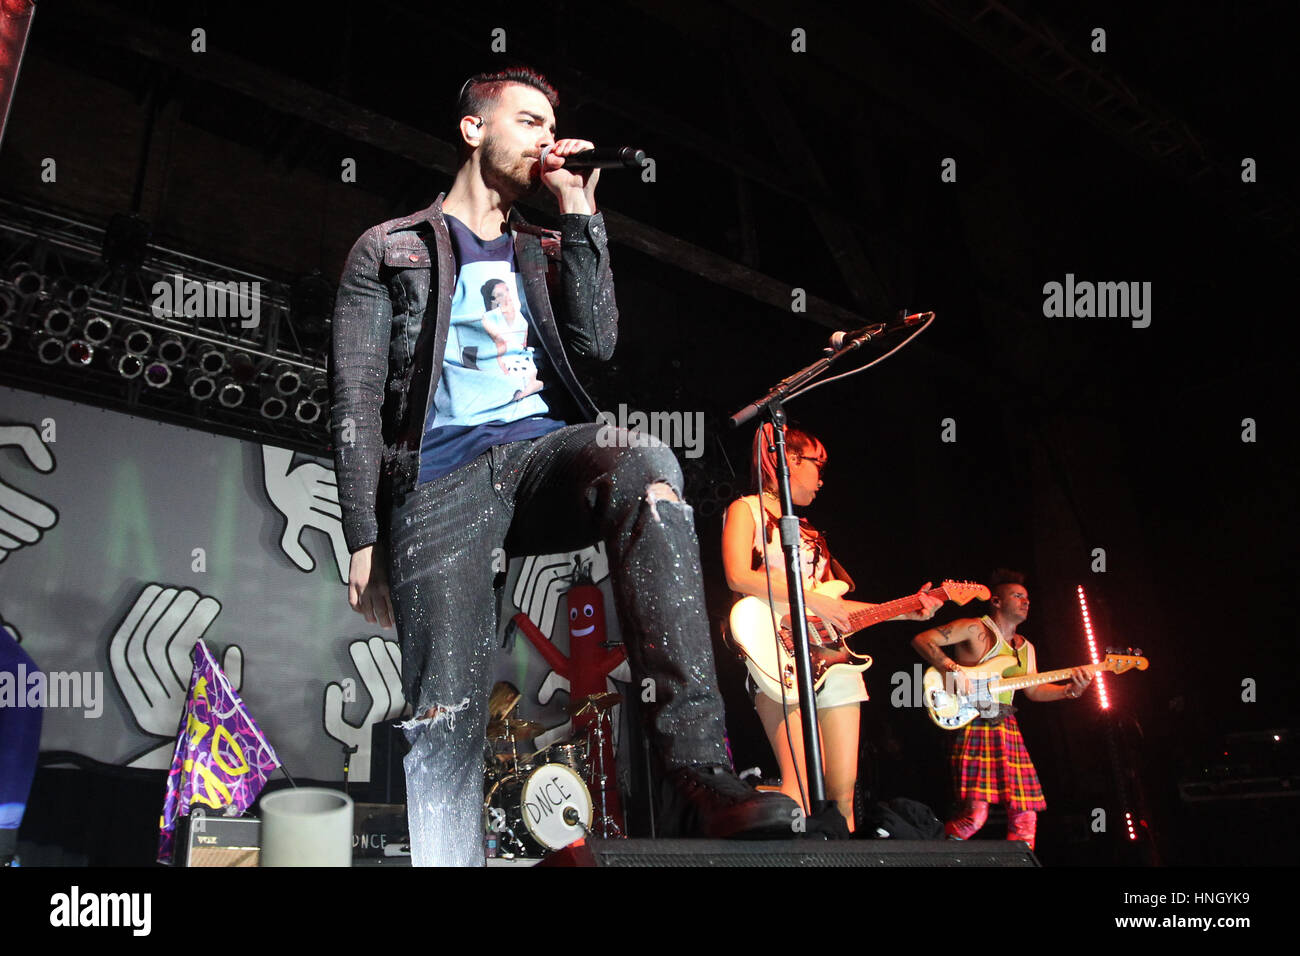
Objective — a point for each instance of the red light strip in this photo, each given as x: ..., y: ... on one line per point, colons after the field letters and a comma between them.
x: 1102, y: 696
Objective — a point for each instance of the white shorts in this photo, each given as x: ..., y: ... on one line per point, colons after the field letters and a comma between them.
x: 840, y: 688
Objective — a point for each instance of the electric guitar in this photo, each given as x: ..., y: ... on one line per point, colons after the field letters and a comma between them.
x: 950, y: 709
x: 772, y: 664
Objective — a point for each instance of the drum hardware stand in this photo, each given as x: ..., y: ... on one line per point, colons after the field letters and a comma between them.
x: 497, y: 823
x: 348, y: 751
x: 505, y: 698
x: 650, y: 781
x: 494, y: 817
x: 603, y: 706
x: 606, y: 825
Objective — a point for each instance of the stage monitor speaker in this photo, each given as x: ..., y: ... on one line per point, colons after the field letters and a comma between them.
x: 804, y: 853
x: 222, y: 841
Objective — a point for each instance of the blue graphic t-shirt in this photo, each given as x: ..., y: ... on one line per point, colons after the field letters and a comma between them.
x: 490, y: 391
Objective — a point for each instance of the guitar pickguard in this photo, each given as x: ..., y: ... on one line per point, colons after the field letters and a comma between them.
x: 819, y: 635
x: 825, y: 648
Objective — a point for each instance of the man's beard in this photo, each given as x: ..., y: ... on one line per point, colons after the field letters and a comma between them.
x: 509, y: 173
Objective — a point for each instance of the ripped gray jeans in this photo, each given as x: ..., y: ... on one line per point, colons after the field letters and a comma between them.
x: 561, y: 491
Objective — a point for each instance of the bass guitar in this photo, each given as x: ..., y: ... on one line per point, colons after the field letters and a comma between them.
x: 951, y: 709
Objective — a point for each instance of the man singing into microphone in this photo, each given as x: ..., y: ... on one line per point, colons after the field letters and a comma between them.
x: 442, y: 459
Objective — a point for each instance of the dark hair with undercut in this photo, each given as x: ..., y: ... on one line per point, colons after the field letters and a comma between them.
x: 481, y: 91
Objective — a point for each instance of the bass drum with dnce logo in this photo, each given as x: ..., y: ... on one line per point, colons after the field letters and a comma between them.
x: 536, y: 812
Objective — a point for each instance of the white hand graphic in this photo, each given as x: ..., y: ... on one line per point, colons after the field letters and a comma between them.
x: 554, y: 681
x: 308, y: 497
x: 560, y: 733
x: 379, y: 662
x: 623, y: 674
x: 23, y: 519
x: 150, y: 655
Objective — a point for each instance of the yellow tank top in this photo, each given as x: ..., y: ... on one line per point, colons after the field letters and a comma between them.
x: 1000, y: 647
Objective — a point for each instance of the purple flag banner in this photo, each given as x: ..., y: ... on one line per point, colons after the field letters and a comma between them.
x: 221, y: 760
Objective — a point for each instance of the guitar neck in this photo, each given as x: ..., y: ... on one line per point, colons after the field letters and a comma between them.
x: 883, y: 612
x: 1045, y: 677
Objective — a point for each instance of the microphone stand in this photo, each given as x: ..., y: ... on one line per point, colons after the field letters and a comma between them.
x: 772, y: 407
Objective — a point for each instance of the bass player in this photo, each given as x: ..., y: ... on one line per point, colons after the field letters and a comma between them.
x: 988, y: 757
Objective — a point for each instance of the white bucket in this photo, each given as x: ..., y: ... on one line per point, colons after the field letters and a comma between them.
x: 309, y: 826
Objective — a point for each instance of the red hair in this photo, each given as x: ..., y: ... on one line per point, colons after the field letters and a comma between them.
x: 763, y: 458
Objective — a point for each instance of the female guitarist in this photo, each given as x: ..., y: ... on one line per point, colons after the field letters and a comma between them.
x: 752, y: 560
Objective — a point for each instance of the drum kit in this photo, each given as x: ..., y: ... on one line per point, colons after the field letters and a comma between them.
x: 542, y: 801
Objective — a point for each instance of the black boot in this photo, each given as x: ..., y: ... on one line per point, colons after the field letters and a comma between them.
x: 712, y: 803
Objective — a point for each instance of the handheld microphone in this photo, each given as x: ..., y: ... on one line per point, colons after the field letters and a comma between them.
x: 602, y: 157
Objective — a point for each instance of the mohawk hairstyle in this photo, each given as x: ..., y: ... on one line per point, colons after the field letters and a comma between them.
x: 1002, y: 576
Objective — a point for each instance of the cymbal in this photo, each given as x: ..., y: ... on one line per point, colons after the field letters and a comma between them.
x: 513, y: 727
x: 595, y: 703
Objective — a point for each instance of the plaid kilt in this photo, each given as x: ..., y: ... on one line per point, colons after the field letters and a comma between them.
x: 990, y: 762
